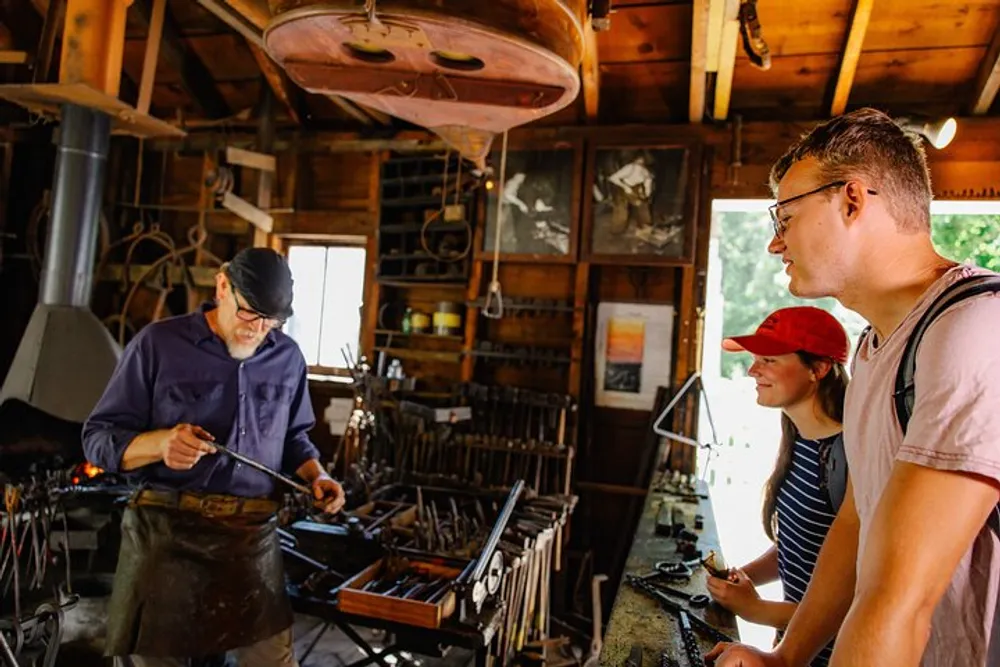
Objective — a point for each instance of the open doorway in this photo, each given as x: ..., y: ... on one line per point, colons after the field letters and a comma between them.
x: 744, y: 285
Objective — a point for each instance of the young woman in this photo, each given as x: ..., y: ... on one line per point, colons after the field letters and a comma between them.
x: 799, y: 356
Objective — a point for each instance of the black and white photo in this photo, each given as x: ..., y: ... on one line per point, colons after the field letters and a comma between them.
x: 638, y: 201
x: 536, y: 203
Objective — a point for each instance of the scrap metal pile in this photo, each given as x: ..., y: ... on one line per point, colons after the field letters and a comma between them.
x: 39, y: 529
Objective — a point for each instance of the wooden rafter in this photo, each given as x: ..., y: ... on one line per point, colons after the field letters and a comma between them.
x: 53, y: 13
x: 988, y: 78
x: 195, y: 77
x: 728, y: 34
x: 153, y: 40
x: 249, y: 18
x: 700, y: 12
x: 284, y: 90
x: 851, y: 54
x: 590, y: 72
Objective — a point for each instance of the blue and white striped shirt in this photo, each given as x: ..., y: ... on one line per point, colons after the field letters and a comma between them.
x: 804, y: 517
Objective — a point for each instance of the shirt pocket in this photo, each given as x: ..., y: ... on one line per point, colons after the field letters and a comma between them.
x: 190, y: 403
x: 274, y: 403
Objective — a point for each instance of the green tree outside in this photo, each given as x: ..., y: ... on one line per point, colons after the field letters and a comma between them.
x: 754, y: 283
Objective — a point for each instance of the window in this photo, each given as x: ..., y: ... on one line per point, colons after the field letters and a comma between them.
x: 329, y: 292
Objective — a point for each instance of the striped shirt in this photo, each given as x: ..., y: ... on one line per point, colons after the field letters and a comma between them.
x: 804, y: 517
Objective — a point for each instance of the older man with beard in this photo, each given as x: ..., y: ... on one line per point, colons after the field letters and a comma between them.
x: 200, y: 571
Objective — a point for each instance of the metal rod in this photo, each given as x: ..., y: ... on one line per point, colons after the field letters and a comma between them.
x: 264, y: 469
x: 498, y: 528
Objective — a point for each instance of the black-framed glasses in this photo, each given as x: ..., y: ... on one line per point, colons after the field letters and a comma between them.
x: 780, y: 226
x: 250, y: 315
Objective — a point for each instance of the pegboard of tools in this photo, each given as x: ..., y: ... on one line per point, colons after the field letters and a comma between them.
x: 512, y: 434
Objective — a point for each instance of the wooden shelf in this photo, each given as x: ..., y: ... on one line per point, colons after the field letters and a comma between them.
x: 430, y: 336
x: 421, y: 284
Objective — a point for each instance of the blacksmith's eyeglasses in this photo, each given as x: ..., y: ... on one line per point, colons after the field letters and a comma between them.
x: 780, y: 226
x: 250, y: 315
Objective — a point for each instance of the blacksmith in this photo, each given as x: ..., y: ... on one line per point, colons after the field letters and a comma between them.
x: 200, y: 570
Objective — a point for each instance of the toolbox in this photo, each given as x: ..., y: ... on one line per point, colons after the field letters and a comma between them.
x: 353, y: 600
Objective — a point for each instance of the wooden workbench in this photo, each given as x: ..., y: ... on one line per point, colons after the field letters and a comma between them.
x: 637, y: 618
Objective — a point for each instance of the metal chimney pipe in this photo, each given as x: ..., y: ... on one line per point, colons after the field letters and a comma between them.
x: 78, y: 184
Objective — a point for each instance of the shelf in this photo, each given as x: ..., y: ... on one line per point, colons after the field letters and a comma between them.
x: 421, y: 355
x: 436, y: 226
x: 521, y: 357
x: 389, y: 332
x: 429, y: 200
x: 480, y: 303
x: 414, y: 282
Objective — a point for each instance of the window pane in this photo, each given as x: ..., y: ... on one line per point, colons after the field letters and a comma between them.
x: 342, y: 300
x: 308, y: 268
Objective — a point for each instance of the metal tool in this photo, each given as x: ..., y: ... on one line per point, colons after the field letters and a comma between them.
x: 674, y: 608
x: 595, y: 642
x: 697, y: 600
x: 302, y: 488
x: 484, y: 579
x: 689, y: 640
x: 634, y: 656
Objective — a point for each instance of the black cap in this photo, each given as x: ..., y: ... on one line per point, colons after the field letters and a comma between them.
x: 262, y: 276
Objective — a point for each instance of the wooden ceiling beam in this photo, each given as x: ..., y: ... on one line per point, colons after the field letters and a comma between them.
x: 700, y: 17
x: 851, y: 55
x: 250, y: 18
x: 284, y: 90
x: 728, y: 33
x: 988, y: 78
x: 195, y: 78
x: 590, y: 74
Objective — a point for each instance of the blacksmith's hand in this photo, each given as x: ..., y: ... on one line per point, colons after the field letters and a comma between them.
x: 739, y: 655
x: 184, y: 445
x: 329, y: 494
x: 738, y: 594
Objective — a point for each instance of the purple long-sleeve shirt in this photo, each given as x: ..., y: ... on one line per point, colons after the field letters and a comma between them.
x: 178, y: 371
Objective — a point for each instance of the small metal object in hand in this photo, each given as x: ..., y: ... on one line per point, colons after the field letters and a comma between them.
x: 264, y: 469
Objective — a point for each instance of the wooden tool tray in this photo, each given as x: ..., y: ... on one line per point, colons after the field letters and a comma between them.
x: 353, y: 600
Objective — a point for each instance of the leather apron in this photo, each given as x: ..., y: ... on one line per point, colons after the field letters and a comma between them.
x: 191, y: 586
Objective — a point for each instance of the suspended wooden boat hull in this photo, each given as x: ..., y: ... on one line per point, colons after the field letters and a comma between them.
x: 466, y: 69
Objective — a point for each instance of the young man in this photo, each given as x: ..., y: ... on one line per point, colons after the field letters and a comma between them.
x: 909, y: 572
x: 200, y: 570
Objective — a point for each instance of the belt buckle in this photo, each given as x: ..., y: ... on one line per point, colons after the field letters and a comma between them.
x: 217, y: 506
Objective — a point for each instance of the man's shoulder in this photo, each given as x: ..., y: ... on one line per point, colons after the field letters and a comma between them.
x: 166, y: 330
x: 285, y: 345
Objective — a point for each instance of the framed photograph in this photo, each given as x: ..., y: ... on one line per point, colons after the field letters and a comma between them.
x: 641, y: 204
x: 538, y: 205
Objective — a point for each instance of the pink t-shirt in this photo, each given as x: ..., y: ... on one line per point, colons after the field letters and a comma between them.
x: 955, y: 426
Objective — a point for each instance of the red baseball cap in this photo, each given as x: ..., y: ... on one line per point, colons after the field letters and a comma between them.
x: 801, y: 328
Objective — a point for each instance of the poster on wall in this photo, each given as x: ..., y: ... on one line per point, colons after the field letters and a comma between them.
x: 633, y: 355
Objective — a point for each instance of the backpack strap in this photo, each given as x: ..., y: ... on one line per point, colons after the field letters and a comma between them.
x: 904, y: 394
x: 835, y: 469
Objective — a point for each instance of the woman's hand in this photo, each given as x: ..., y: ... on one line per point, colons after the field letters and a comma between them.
x: 738, y: 594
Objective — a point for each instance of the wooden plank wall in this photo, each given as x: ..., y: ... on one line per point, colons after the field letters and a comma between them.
x: 336, y: 194
x: 969, y: 168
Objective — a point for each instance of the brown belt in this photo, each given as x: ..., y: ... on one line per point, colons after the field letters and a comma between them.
x: 209, y: 505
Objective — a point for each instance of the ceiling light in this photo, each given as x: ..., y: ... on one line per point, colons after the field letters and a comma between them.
x: 938, y: 132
